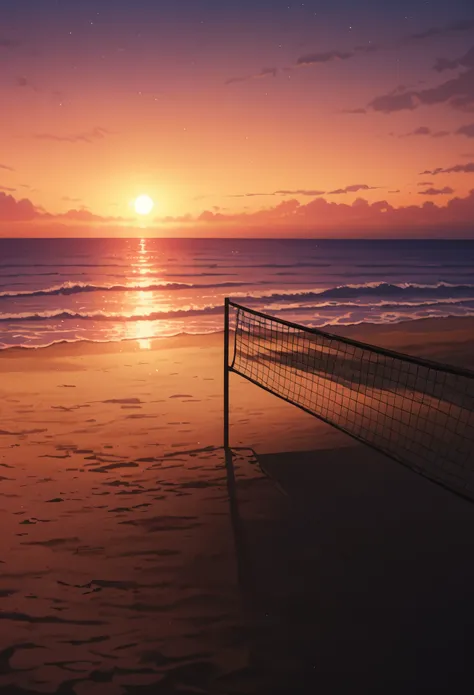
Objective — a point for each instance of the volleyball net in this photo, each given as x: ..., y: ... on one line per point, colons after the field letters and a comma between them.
x: 415, y: 411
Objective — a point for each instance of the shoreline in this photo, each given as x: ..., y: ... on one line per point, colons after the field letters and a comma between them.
x: 353, y: 331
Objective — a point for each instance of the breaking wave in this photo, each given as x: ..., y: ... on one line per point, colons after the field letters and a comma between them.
x: 442, y: 290
x: 104, y: 316
x: 69, y: 288
x: 216, y: 310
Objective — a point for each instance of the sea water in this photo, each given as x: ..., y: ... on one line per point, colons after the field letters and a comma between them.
x: 113, y: 289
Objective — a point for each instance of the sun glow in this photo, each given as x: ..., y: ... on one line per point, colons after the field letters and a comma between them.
x: 144, y: 205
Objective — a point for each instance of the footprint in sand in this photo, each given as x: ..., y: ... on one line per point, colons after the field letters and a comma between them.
x: 22, y: 432
x: 138, y: 416
x: 123, y: 401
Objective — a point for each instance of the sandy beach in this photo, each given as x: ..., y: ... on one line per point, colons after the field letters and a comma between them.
x: 125, y: 568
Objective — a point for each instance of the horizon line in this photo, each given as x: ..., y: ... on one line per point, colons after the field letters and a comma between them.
x: 231, y: 238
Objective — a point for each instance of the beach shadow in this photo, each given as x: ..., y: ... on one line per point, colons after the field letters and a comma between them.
x: 362, y: 581
x: 243, y: 563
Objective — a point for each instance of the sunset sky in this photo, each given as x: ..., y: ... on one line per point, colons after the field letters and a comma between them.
x: 257, y: 117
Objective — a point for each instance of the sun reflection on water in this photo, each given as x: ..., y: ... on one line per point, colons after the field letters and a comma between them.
x: 143, y: 302
x: 141, y: 328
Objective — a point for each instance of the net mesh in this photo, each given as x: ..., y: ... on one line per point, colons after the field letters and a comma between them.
x: 417, y: 412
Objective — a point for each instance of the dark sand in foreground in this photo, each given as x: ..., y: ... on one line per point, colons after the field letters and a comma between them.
x: 124, y: 567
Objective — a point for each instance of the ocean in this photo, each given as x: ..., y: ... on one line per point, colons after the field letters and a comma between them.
x: 55, y: 290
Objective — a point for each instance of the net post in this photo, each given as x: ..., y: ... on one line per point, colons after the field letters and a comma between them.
x: 226, y: 374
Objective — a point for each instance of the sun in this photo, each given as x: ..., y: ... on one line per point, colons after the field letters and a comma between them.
x: 144, y: 205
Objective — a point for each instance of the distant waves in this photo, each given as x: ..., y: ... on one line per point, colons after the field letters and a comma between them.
x: 441, y: 290
x: 69, y: 288
x: 114, y: 289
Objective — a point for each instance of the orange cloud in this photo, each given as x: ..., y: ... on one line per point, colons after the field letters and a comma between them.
x: 300, y: 191
x: 353, y: 189
x: 90, y: 136
x: 289, y: 218
x: 321, y: 215
x: 266, y: 72
x: 447, y: 190
x: 456, y: 169
x: 84, y: 216
x: 424, y: 130
x: 12, y: 210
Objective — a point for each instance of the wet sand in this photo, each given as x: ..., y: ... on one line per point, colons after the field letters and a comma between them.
x: 126, y: 568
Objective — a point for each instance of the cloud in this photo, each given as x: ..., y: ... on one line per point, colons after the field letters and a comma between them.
x: 393, y: 101
x: 67, y: 199
x: 424, y: 130
x: 468, y: 155
x: 465, y: 61
x: 90, y: 136
x: 284, y: 208
x: 247, y: 195
x: 266, y: 72
x: 309, y: 192
x: 353, y: 189
x: 306, y: 192
x: 437, y: 191
x: 326, y: 57
x: 457, y: 93
x: 320, y: 215
x: 425, y: 183
x: 6, y: 167
x: 12, y: 210
x: 462, y: 26
x: 300, y: 192
x: 321, y: 58
x: 288, y: 217
x: 467, y: 130
x: 438, y: 170
x: 6, y: 188
x: 397, y: 191
x: 353, y: 111
x: 456, y: 169
x: 84, y: 215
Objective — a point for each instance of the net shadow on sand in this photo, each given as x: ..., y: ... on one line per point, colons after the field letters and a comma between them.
x: 418, y: 412
x: 352, y: 578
